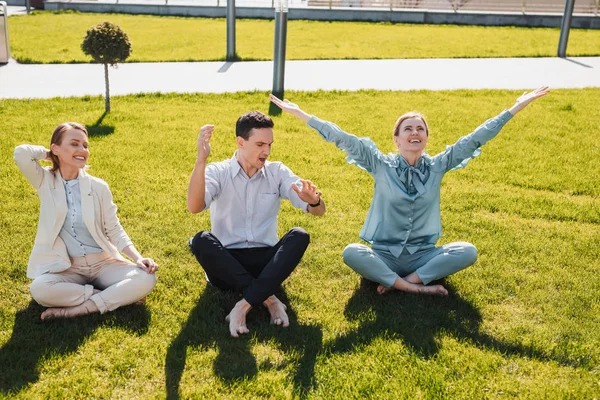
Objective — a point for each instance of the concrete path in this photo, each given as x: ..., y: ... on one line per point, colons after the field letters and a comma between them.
x: 16, y: 10
x: 44, y: 81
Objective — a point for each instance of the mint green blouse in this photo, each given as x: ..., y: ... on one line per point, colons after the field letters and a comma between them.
x: 405, y: 209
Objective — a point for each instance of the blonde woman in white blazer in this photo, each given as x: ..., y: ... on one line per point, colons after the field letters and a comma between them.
x: 76, y: 262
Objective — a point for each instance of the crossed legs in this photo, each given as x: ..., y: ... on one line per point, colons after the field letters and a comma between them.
x: 255, y: 272
x: 97, y: 287
x: 410, y: 272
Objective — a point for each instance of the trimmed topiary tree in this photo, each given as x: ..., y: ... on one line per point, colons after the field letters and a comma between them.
x: 107, y: 44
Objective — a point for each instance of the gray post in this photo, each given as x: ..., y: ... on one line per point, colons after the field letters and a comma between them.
x: 281, y: 17
x: 565, y: 27
x: 231, y: 55
x: 28, y: 6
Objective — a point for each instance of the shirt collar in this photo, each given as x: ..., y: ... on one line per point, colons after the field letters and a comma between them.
x: 423, y: 161
x: 236, y: 167
x: 71, y: 183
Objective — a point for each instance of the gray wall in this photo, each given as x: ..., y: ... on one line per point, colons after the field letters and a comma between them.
x: 342, y: 14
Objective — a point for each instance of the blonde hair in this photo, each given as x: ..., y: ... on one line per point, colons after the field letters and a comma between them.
x: 408, y: 115
x: 57, y: 138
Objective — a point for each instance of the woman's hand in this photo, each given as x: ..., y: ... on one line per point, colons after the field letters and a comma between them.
x: 147, y: 264
x: 526, y: 98
x: 289, y: 107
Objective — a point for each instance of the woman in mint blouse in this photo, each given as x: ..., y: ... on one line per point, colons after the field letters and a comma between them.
x: 403, y: 223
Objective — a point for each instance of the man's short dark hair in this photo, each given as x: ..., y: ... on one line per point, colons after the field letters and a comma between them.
x: 251, y: 120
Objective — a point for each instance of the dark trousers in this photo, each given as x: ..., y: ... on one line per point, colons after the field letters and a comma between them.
x: 255, y: 272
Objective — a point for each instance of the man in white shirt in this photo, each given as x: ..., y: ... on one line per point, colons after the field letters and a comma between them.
x: 242, y: 252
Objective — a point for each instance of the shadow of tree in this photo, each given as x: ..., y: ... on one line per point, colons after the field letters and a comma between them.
x: 97, y: 129
x: 33, y: 339
x: 419, y: 320
x: 206, y: 327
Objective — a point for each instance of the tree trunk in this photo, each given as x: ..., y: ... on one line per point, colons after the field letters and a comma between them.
x: 107, y: 97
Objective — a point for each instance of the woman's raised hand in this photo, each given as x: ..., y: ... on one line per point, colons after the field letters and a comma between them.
x: 289, y: 107
x: 527, y: 97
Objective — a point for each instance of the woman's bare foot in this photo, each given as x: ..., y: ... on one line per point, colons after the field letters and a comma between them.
x: 141, y: 301
x: 87, y: 307
x: 277, y: 310
x: 436, y: 290
x: 237, y: 318
x: 383, y: 290
x: 406, y: 286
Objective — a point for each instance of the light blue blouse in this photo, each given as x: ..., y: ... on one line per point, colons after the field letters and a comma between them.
x: 74, y: 233
x: 405, y: 209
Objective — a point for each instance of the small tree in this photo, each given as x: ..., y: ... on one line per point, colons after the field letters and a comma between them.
x: 108, y: 44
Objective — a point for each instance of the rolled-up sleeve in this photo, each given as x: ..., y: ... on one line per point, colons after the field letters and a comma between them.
x: 467, y: 147
x: 361, y: 151
x: 286, y: 179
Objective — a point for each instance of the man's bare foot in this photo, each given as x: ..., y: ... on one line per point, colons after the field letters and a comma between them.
x: 87, y: 307
x: 277, y: 311
x: 237, y: 318
x: 383, y: 290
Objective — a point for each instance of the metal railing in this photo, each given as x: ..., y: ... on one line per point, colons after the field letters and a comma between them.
x: 521, y: 6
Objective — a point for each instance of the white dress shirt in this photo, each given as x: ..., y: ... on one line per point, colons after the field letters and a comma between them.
x: 243, y: 211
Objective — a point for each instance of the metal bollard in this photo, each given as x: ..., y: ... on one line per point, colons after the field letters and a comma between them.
x: 231, y: 53
x: 281, y: 17
x: 4, y: 44
x: 565, y: 28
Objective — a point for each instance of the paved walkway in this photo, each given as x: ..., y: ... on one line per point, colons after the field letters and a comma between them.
x: 16, y: 10
x: 44, y: 81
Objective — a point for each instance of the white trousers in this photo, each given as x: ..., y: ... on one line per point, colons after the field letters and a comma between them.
x: 120, y: 282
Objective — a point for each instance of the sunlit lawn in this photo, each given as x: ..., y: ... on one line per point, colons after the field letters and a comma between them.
x: 523, y: 322
x: 46, y: 37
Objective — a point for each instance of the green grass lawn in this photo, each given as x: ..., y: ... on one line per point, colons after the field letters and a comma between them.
x: 46, y: 37
x: 523, y: 322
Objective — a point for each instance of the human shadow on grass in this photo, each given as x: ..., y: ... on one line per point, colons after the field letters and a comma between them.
x: 33, y: 340
x: 97, y: 129
x: 206, y: 329
x: 418, y: 320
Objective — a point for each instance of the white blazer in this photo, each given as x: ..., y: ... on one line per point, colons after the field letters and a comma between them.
x: 99, y: 213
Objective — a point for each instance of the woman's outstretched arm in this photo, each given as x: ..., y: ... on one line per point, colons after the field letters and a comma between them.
x: 467, y: 147
x: 361, y: 151
x: 527, y: 98
x: 290, y: 108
